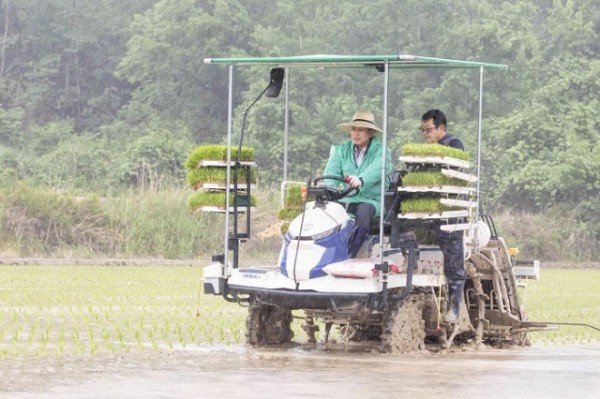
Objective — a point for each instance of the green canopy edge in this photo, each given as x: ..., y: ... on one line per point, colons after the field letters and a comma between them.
x: 341, y: 61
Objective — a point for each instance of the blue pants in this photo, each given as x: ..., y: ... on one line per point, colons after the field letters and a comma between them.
x: 451, y: 244
x: 363, y: 216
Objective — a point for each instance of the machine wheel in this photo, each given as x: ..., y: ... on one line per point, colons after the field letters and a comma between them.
x: 403, y: 326
x: 268, y: 325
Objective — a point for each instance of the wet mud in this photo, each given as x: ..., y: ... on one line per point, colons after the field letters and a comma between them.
x: 300, y: 372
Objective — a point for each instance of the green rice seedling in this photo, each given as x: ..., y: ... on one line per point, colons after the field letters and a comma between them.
x: 164, y: 331
x: 44, y: 338
x: 107, y: 342
x: 293, y: 202
x: 238, y: 333
x: 424, y: 149
x: 216, y: 153
x: 150, y: 334
x: 209, y: 336
x: 422, y: 205
x: 431, y: 179
x: 212, y: 198
x: 61, y: 340
x: 16, y: 334
x: 222, y: 335
x: 75, y: 336
x: 137, y: 334
x: 121, y: 337
x: 210, y: 174
x: 32, y: 330
x: 192, y: 332
x: 93, y: 346
x: 293, y: 196
x: 180, y: 335
x: 79, y: 348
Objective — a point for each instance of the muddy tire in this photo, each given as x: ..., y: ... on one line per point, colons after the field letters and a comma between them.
x: 403, y: 326
x: 268, y: 325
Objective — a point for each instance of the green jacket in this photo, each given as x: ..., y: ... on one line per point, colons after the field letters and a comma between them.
x: 341, y: 163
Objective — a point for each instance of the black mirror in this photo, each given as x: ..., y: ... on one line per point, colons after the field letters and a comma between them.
x: 276, y: 82
x: 272, y: 90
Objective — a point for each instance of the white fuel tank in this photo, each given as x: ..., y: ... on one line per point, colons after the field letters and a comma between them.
x: 319, y: 220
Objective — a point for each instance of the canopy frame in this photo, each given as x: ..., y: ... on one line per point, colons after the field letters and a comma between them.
x: 382, y: 63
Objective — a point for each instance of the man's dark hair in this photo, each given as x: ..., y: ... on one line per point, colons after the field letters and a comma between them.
x: 438, y: 117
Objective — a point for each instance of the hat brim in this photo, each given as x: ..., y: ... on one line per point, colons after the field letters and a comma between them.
x: 346, y: 127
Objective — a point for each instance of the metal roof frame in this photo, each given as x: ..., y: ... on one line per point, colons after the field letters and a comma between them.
x: 354, y: 61
x: 383, y: 64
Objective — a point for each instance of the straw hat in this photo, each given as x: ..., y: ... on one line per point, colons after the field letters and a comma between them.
x: 360, y: 119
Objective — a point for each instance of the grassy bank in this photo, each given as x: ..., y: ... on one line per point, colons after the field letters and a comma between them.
x: 78, y: 310
x: 47, y: 223
x: 38, y: 222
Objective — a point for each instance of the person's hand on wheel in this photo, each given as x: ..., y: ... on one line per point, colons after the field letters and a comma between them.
x: 353, y: 181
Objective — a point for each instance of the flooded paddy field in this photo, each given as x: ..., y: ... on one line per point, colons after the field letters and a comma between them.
x: 236, y: 372
x: 149, y: 331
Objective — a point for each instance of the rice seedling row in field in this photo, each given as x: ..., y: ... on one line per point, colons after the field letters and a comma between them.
x: 77, y: 310
x: 565, y: 296
x: 103, y: 310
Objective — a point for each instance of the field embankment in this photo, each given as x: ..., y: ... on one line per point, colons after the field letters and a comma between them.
x: 43, y: 223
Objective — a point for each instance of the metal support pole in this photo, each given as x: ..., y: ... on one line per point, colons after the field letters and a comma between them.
x: 383, y: 267
x: 286, y: 124
x: 229, y: 131
x: 479, y: 155
x: 386, y: 75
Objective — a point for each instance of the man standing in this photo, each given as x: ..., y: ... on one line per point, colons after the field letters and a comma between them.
x: 358, y: 161
x: 433, y: 129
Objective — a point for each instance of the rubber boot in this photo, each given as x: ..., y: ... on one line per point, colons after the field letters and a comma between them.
x: 455, y: 291
x: 356, y: 241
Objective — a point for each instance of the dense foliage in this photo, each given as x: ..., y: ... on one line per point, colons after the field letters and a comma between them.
x: 109, y: 95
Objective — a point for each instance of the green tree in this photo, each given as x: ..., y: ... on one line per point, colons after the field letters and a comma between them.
x: 59, y: 56
x: 164, y: 62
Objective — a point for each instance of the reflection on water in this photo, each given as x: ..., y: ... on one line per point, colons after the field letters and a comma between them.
x: 239, y: 372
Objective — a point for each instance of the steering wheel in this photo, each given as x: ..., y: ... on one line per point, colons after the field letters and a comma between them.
x: 340, y: 195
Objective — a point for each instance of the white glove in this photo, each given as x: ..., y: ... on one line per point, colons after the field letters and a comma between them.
x: 353, y: 181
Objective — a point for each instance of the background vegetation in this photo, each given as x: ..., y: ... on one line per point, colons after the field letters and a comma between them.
x: 104, y: 100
